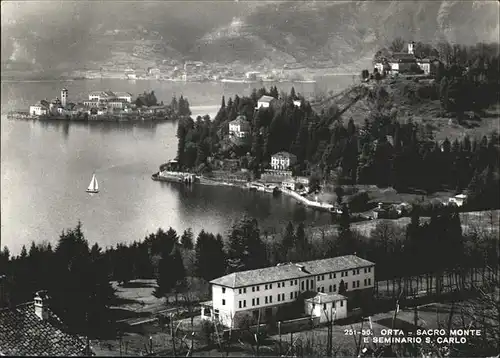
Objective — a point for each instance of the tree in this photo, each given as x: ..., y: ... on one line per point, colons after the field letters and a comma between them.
x: 172, y: 274
x: 210, y: 260
x: 187, y: 239
x: 246, y: 251
x: 397, y: 45
x: 81, y: 294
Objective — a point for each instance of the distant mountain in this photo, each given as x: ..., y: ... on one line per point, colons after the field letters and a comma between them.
x: 60, y: 36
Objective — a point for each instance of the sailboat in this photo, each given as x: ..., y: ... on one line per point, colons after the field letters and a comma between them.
x: 93, y: 186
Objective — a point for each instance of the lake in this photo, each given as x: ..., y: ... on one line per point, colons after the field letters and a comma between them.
x: 47, y: 166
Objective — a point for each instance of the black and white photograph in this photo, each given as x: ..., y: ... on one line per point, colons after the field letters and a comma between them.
x: 250, y: 178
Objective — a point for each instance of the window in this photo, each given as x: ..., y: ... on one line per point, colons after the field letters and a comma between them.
x: 369, y: 269
x: 334, y: 288
x: 239, y: 304
x: 257, y: 301
x: 318, y: 289
x: 296, y: 294
x: 282, y: 296
x: 322, y: 277
x: 245, y: 290
x: 346, y: 285
x: 223, y: 302
x: 265, y: 299
x: 244, y: 303
x: 317, y: 278
x: 334, y: 275
x: 353, y: 272
x: 295, y: 282
x: 330, y: 288
x: 357, y: 271
x: 302, y: 285
x: 291, y: 295
x: 270, y: 299
x: 341, y: 303
x: 223, y: 290
x: 291, y: 283
x: 357, y: 283
x: 369, y: 281
x: 279, y: 284
x: 258, y: 288
x: 322, y: 289
x: 265, y: 287
x: 364, y: 282
x: 279, y: 297
x: 239, y: 291
x: 253, y: 288
x: 253, y: 301
x: 270, y: 286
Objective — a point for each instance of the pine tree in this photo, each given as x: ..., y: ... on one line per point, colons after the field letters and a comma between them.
x: 187, y: 239
x: 210, y: 260
x: 246, y: 251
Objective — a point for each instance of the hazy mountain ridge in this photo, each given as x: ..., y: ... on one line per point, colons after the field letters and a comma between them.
x: 325, y: 34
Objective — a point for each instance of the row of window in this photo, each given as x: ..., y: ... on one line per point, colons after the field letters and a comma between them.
x: 295, y: 282
x: 355, y: 284
x: 267, y: 299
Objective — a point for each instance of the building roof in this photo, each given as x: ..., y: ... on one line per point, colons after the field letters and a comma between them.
x: 102, y: 94
x: 283, y: 154
x: 326, y: 297
x: 240, y: 120
x: 22, y: 333
x: 402, y: 57
x: 123, y: 94
x: 266, y: 99
x: 291, y: 271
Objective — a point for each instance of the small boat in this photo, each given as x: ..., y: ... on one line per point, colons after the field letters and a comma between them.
x: 93, y: 186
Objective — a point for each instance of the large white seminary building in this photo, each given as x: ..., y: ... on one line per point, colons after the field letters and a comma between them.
x: 260, y: 293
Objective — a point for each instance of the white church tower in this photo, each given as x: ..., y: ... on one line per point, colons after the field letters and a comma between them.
x: 410, y: 48
x: 64, y: 97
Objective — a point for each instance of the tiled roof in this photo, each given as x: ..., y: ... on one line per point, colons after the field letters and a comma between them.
x: 266, y: 99
x: 283, y: 154
x: 123, y: 94
x: 241, y: 120
x: 22, y: 333
x: 402, y: 57
x: 324, y: 298
x: 291, y: 271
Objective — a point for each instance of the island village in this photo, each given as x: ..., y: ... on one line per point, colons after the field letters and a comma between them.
x: 102, y: 105
x: 274, y: 309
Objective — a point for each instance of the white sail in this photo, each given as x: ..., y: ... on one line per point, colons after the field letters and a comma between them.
x: 93, y: 186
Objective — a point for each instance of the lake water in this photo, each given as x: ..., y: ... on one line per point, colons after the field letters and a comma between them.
x: 47, y: 166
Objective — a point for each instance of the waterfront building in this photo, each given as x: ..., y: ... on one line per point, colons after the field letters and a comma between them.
x: 32, y: 329
x: 283, y: 160
x: 109, y: 96
x: 239, y: 128
x: 39, y: 109
x: 264, y: 102
x: 266, y: 293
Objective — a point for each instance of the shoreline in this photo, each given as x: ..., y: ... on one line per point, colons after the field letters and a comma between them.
x: 180, y: 177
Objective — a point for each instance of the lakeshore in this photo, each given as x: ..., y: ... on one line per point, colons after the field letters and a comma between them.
x: 268, y: 187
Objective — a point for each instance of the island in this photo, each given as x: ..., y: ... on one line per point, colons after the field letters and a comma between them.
x: 106, y: 106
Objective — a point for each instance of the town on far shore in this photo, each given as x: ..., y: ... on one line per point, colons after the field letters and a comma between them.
x: 105, y: 105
